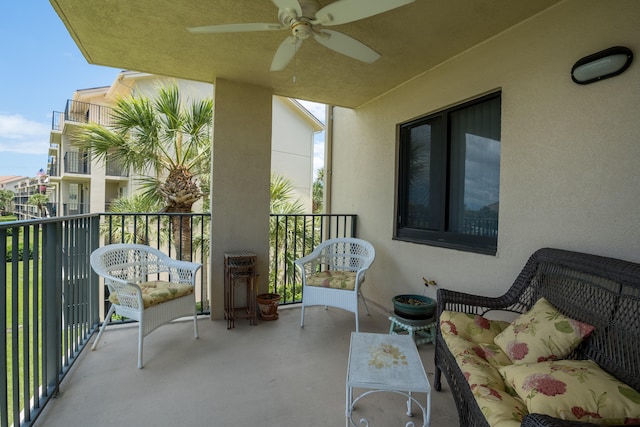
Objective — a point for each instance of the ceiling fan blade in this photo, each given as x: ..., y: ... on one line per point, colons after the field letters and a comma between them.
x: 285, y: 53
x: 289, y: 4
x: 236, y: 28
x: 344, y: 11
x: 346, y: 45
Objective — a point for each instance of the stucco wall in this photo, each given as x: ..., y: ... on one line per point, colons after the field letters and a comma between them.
x: 569, y: 162
x: 240, y: 170
x: 292, y: 150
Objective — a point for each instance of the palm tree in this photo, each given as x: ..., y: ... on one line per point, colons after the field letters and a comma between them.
x: 167, y: 143
x: 125, y: 228
x: 6, y: 197
x: 39, y: 200
x: 318, y: 192
x: 284, y: 233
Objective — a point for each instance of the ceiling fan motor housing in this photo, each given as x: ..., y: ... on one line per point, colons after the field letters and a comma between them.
x: 301, y: 29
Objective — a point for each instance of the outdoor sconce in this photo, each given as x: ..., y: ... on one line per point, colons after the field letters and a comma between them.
x: 601, y: 65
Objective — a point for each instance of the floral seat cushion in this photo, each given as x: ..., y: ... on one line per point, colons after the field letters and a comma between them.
x: 470, y: 339
x: 157, y: 292
x: 335, y: 279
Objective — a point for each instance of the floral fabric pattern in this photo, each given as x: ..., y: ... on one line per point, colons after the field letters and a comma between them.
x: 470, y: 340
x: 471, y: 327
x: 574, y: 390
x: 335, y: 279
x: 543, y: 333
x: 157, y: 292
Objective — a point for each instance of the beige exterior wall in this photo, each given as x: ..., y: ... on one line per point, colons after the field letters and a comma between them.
x: 292, y: 149
x: 569, y: 158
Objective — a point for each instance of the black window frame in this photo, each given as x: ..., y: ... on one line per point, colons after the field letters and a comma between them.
x: 441, y: 179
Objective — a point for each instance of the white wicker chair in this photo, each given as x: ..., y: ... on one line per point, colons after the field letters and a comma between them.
x: 132, y: 273
x: 323, y: 274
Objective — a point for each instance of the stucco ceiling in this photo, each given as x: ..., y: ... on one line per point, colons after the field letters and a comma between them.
x: 151, y: 36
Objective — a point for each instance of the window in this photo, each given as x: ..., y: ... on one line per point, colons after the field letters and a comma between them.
x: 449, y: 177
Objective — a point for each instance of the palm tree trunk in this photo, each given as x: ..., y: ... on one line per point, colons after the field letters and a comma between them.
x: 182, y: 236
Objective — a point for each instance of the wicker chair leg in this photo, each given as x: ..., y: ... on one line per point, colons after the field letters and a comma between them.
x: 364, y: 302
x: 140, y: 339
x: 107, y: 319
x: 437, y: 384
x: 195, y: 326
x: 357, y: 325
x: 302, y: 316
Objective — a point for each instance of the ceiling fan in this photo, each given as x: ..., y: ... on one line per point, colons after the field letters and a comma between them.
x: 305, y: 18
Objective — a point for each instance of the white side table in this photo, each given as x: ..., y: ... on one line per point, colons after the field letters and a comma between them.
x: 386, y: 363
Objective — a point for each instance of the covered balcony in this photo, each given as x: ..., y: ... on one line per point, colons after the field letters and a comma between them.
x: 566, y: 153
x: 275, y: 373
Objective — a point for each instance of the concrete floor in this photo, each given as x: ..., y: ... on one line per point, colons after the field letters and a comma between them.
x: 273, y: 374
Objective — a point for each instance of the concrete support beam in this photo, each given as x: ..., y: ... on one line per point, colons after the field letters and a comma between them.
x: 240, y: 180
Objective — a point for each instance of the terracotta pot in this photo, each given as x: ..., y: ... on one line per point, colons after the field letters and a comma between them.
x: 268, y: 305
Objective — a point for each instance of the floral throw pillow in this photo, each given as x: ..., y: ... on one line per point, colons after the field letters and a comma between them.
x: 471, y: 327
x: 542, y: 333
x: 574, y: 390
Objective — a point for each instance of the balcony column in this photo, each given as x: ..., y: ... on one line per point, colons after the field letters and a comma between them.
x: 241, y: 171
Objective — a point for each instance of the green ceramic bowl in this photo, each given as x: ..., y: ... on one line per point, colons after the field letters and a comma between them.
x: 415, y: 307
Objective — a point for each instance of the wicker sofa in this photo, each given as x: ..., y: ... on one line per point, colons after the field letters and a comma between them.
x: 602, y: 292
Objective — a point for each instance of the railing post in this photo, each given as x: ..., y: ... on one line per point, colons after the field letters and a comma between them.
x: 354, y: 226
x: 4, y: 399
x: 51, y: 305
x: 94, y: 281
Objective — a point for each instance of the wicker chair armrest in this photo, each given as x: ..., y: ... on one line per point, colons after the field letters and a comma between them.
x: 181, y: 271
x: 312, y: 258
x: 124, y: 291
x: 539, y: 420
x: 308, y: 264
x: 469, y: 303
x: 360, y: 276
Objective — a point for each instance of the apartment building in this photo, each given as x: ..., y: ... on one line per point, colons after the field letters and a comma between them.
x: 79, y: 184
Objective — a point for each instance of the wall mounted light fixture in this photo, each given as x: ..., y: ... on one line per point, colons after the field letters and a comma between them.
x: 601, y: 65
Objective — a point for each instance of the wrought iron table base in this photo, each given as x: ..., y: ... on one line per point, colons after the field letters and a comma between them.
x: 410, y: 399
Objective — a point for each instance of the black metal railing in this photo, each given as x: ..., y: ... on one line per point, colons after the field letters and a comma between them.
x: 85, y: 112
x: 74, y: 209
x: 53, y: 170
x: 114, y: 168
x: 54, y: 302
x: 77, y: 162
x: 57, y: 120
x: 52, y: 308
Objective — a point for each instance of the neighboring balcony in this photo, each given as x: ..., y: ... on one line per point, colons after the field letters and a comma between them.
x: 81, y: 112
x: 77, y: 162
x: 114, y: 168
x: 53, y: 169
x: 75, y: 208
